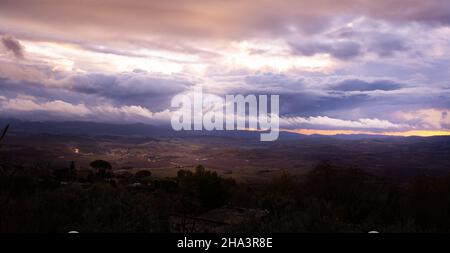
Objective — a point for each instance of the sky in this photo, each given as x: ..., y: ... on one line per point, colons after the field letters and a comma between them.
x: 342, y: 66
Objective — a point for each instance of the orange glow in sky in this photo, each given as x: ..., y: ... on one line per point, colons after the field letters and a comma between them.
x: 421, y: 133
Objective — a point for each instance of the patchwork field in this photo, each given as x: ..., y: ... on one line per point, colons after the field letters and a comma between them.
x: 242, y: 159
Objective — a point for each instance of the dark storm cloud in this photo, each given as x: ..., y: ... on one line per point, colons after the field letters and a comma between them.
x: 350, y: 99
x: 347, y: 43
x: 339, y: 50
x: 13, y: 45
x: 299, y: 97
x: 431, y: 12
x: 313, y: 103
x: 360, y: 85
x: 274, y: 80
x: 130, y: 88
x: 387, y: 45
x: 133, y: 88
x: 342, y: 105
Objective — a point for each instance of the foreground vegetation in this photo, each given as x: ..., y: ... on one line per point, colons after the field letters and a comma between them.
x: 327, y: 199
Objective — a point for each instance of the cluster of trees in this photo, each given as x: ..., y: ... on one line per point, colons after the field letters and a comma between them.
x: 99, y: 208
x: 331, y: 199
x: 101, y: 170
x: 33, y: 201
x: 203, y: 190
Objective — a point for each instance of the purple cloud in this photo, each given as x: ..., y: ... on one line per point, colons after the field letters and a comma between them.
x: 13, y: 45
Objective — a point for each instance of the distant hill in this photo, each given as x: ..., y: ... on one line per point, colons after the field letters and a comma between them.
x: 146, y: 130
x: 136, y: 129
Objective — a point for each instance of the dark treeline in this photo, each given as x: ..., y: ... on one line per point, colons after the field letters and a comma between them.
x: 327, y: 199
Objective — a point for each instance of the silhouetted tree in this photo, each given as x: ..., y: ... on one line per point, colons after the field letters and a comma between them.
x: 72, y: 171
x: 181, y: 174
x: 205, y: 187
x: 2, y: 136
x: 61, y: 174
x: 102, y: 168
x: 143, y: 176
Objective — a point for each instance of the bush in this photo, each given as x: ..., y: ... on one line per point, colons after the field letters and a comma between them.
x: 205, y: 188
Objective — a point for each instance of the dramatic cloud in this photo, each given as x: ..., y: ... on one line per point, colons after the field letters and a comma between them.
x: 340, y: 50
x: 236, y: 19
x: 360, y: 85
x: 386, y: 45
x: 341, y: 65
x: 130, y: 88
x: 332, y: 123
x: 28, y: 108
x: 124, y: 88
x: 13, y: 45
x: 431, y: 118
x: 57, y: 106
